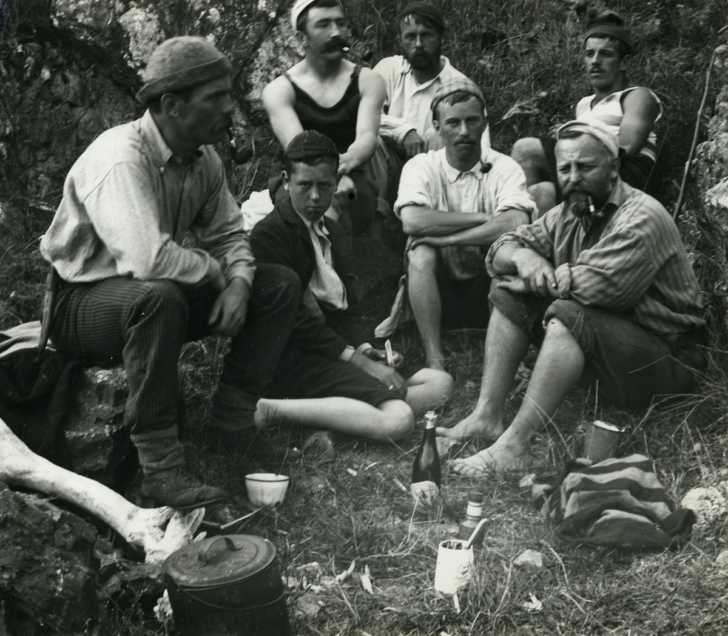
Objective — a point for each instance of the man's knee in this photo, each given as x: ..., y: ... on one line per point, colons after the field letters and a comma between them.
x: 527, y: 149
x: 161, y: 297
x: 568, y: 317
x: 398, y: 420
x: 276, y: 283
x: 423, y: 259
x: 439, y: 384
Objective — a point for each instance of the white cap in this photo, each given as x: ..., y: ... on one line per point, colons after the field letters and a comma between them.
x: 299, y: 6
x: 594, y: 127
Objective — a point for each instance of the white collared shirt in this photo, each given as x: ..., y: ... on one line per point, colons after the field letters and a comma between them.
x: 429, y: 181
x: 407, y: 104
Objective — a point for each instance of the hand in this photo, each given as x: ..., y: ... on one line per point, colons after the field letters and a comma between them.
x: 346, y: 164
x: 346, y: 188
x: 432, y: 241
x: 413, y: 144
x: 563, y: 281
x: 230, y: 308
x: 513, y: 283
x: 386, y: 375
x: 537, y: 273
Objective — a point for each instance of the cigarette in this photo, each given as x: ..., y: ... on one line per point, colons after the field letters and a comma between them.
x: 389, y: 353
x: 346, y: 49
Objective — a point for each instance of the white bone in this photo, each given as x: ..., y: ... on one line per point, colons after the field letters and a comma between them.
x: 157, y: 531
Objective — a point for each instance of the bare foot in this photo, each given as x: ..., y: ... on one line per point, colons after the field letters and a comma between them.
x: 490, y: 460
x: 473, y: 426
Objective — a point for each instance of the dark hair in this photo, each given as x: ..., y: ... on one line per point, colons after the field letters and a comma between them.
x: 325, y: 4
x: 313, y: 160
x: 423, y: 20
x: 454, y: 98
x: 613, y: 23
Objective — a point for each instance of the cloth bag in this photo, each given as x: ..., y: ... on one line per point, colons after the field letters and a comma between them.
x: 615, y: 502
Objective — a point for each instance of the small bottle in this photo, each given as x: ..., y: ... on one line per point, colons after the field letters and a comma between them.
x: 473, y: 515
x: 426, y: 466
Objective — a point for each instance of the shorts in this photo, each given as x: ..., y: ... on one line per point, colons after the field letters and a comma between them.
x: 464, y: 302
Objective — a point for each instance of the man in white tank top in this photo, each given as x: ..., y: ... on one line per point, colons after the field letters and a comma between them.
x: 630, y: 111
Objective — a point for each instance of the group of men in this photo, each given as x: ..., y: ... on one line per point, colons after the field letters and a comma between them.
x: 602, y: 277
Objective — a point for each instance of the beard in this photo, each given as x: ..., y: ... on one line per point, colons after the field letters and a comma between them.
x: 423, y: 61
x: 578, y: 203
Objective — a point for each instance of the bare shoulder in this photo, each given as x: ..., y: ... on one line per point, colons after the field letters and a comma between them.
x: 640, y: 97
x: 370, y: 82
x: 278, y: 91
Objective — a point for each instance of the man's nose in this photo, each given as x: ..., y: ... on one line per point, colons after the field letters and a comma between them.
x: 463, y: 128
x: 418, y: 42
x: 314, y: 193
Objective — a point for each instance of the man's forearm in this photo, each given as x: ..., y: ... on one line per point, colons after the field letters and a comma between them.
x: 358, y: 152
x: 486, y: 233
x: 503, y: 263
x: 426, y: 222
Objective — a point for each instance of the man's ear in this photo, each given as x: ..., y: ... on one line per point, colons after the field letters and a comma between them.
x: 436, y: 124
x: 284, y: 177
x: 170, y: 104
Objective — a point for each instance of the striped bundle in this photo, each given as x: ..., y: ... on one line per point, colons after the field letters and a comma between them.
x: 617, y: 502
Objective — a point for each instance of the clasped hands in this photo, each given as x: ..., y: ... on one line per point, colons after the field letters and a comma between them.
x: 536, y: 275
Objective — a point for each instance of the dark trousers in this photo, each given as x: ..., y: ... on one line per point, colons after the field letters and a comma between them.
x: 145, y: 324
x: 631, y: 363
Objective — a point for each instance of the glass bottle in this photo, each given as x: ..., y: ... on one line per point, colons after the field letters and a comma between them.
x: 473, y: 515
x: 426, y: 466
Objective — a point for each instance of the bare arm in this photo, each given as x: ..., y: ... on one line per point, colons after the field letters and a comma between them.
x: 483, y: 234
x: 278, y: 99
x: 641, y: 109
x: 371, y: 89
x: 418, y: 220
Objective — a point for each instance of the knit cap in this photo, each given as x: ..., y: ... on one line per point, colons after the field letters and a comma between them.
x: 298, y: 8
x: 461, y: 84
x: 181, y: 62
x: 610, y: 25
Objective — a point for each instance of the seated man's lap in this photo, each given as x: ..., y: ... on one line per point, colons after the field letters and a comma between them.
x: 464, y: 302
x: 302, y: 375
x: 631, y: 363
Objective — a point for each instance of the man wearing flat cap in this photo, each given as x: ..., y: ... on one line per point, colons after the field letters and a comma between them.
x: 453, y: 203
x: 131, y: 289
x: 340, y: 99
x: 412, y: 79
x: 606, y: 278
x: 631, y: 112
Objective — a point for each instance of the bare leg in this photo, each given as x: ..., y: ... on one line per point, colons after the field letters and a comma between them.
x: 529, y: 153
x: 424, y: 298
x: 389, y: 421
x: 158, y: 531
x: 505, y: 347
x: 558, y: 368
x: 428, y: 389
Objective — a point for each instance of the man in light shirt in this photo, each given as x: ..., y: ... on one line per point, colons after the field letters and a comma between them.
x: 412, y: 79
x: 131, y: 291
x: 453, y: 203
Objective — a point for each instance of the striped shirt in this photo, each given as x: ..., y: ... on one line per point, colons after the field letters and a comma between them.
x: 632, y: 262
x: 127, y: 204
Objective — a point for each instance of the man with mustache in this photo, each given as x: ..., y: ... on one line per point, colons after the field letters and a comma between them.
x: 453, y: 203
x: 630, y: 111
x: 412, y: 79
x: 130, y: 290
x: 328, y: 93
x: 607, y: 278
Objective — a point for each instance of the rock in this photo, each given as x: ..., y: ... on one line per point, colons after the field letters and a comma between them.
x: 98, y: 441
x: 529, y: 559
x: 708, y: 503
x: 47, y: 566
x: 722, y: 561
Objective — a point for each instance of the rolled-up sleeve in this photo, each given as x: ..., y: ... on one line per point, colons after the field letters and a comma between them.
x: 415, y: 185
x: 539, y: 236
x: 511, y: 191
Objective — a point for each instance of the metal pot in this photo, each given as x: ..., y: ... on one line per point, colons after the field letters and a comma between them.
x: 227, y: 585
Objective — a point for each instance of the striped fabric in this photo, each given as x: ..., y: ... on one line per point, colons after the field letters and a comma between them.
x: 634, y: 264
x: 617, y: 502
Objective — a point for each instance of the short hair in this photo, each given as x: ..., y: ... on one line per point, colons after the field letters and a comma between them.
x: 317, y: 4
x: 455, y: 98
x: 310, y: 147
x: 423, y: 13
x: 612, y: 26
x: 155, y: 104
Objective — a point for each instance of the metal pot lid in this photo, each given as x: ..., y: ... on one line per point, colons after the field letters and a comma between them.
x: 220, y: 560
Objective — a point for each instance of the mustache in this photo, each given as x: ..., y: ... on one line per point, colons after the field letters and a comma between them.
x: 336, y: 44
x: 578, y: 203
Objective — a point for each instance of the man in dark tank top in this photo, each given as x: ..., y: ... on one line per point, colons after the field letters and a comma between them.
x: 328, y: 93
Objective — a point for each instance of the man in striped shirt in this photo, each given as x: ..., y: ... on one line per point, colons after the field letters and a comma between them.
x: 607, y: 276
